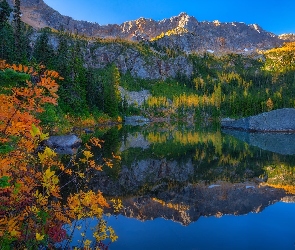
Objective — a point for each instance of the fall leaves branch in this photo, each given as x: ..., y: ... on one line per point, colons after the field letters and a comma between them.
x: 32, y: 212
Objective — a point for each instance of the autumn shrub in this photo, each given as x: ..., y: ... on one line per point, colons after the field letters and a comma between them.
x: 32, y: 211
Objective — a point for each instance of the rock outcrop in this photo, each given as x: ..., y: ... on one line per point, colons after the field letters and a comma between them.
x: 129, y: 58
x: 288, y: 37
x: 216, y: 37
x: 183, y: 32
x: 280, y: 120
x: 136, y: 98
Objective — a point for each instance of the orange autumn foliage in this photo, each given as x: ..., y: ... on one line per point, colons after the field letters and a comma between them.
x: 32, y: 212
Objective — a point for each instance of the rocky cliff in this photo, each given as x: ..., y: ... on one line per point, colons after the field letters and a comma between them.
x: 182, y: 32
x: 128, y: 57
x: 288, y: 37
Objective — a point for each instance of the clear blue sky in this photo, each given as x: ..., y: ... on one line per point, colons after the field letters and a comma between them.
x: 277, y: 16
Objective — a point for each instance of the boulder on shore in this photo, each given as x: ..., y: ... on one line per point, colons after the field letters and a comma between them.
x: 135, y: 120
x: 63, y: 144
x: 280, y: 120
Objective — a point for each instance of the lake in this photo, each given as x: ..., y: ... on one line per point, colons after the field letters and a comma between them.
x: 199, y: 187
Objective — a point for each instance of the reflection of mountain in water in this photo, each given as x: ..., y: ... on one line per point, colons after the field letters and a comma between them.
x: 193, y: 201
x: 281, y: 143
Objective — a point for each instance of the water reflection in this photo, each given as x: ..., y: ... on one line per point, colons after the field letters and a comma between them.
x: 182, y: 173
x: 272, y: 229
x: 202, y: 179
x: 188, y: 204
x: 281, y: 143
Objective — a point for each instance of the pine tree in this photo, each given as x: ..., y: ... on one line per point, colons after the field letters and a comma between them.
x: 6, y: 32
x: 111, y: 93
x: 43, y: 51
x: 5, y: 11
x: 17, y: 29
x: 69, y: 61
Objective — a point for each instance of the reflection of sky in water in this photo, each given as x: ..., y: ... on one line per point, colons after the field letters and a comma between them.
x: 272, y: 229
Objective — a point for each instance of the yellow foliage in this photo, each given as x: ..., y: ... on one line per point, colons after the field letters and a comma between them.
x: 47, y: 154
x: 281, y: 59
x: 177, y: 207
x: 176, y: 31
x: 117, y: 204
x: 290, y: 189
x: 187, y: 138
x: 31, y: 206
x: 87, y: 154
x: 39, y: 237
x: 269, y: 104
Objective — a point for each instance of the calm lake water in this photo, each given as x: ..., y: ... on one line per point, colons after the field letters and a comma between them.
x: 199, y: 187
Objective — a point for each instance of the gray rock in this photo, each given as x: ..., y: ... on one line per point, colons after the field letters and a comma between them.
x: 288, y: 37
x: 188, y: 35
x: 63, y: 144
x: 135, y: 120
x: 280, y: 120
x: 134, y: 97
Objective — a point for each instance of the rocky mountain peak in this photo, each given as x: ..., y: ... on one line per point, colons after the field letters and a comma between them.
x: 183, y: 31
x: 288, y: 37
x: 185, y: 21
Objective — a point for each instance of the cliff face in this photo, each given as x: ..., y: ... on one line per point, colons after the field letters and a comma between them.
x: 287, y: 37
x: 129, y: 58
x: 182, y: 32
x: 220, y: 37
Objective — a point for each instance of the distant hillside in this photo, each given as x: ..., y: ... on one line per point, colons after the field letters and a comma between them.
x: 181, y: 32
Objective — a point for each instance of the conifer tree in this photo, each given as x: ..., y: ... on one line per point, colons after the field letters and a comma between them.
x: 6, y: 32
x: 5, y: 11
x: 112, y: 98
x: 43, y: 51
x: 17, y: 28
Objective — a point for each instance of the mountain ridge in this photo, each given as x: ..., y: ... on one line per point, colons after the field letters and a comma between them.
x: 182, y: 32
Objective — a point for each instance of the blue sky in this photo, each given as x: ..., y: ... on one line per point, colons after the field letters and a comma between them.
x: 272, y: 15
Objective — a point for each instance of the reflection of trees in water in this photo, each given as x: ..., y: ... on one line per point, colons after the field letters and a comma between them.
x: 112, y: 143
x: 276, y: 151
x: 281, y: 175
x: 215, y: 156
x: 186, y: 138
x: 212, y: 155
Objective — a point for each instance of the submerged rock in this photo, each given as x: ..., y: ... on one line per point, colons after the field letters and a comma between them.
x: 280, y: 120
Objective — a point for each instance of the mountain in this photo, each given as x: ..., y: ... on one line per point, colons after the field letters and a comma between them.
x: 288, y: 37
x: 181, y: 32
